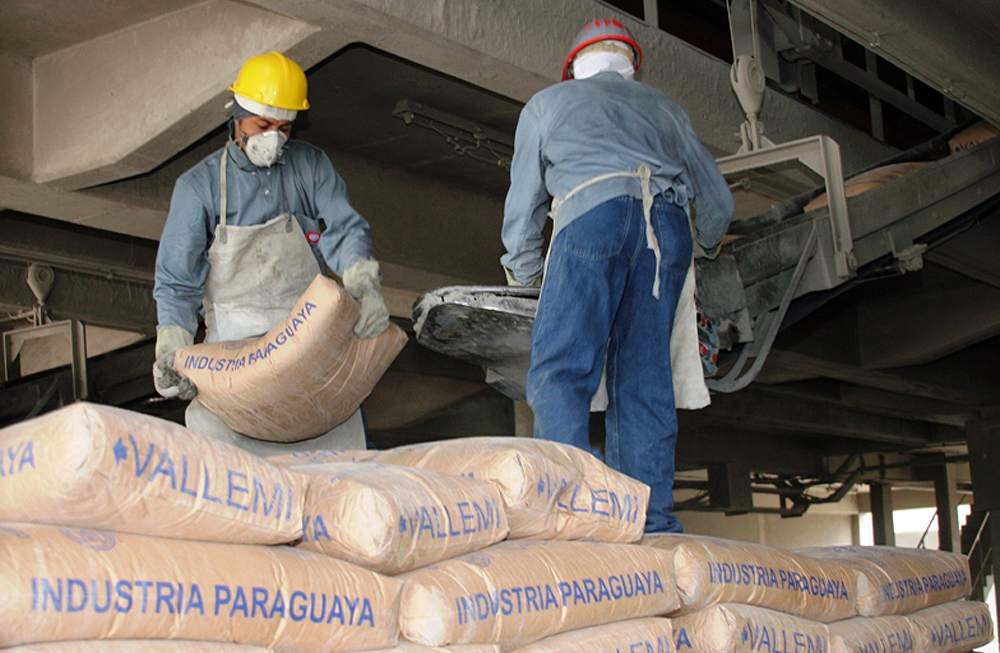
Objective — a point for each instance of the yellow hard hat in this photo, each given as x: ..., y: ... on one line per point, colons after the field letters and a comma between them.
x: 273, y: 80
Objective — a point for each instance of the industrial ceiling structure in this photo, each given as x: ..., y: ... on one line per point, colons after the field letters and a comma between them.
x: 416, y: 102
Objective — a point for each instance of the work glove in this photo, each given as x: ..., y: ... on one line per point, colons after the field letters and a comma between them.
x: 361, y: 280
x: 511, y: 281
x: 168, y: 382
x: 711, y: 254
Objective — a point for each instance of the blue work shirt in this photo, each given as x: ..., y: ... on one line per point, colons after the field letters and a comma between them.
x: 576, y: 130
x: 302, y: 182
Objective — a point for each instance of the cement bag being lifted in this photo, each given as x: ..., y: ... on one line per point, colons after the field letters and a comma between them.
x: 517, y: 592
x: 711, y: 570
x: 62, y: 584
x: 648, y: 635
x: 954, y: 627
x: 735, y: 628
x: 901, y: 580
x: 102, y: 467
x: 392, y: 519
x: 300, y: 379
x: 894, y: 634
x: 551, y: 490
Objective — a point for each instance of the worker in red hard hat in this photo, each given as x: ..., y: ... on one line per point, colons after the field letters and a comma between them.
x: 249, y: 228
x: 616, y: 165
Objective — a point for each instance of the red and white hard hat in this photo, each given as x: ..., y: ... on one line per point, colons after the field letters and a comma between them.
x: 601, y: 29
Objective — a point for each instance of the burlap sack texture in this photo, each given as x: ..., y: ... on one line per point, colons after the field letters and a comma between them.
x: 393, y: 519
x: 137, y: 646
x: 869, y: 634
x: 518, y: 592
x: 648, y: 635
x: 300, y: 379
x: 901, y: 580
x: 954, y: 627
x: 711, y: 570
x: 551, y: 490
x: 72, y: 584
x: 735, y: 628
x: 102, y: 467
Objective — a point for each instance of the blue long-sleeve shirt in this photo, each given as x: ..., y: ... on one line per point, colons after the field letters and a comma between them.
x: 576, y: 130
x: 303, y: 182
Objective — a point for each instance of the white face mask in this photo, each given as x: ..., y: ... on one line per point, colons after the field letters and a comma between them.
x: 265, y: 149
x: 591, y: 63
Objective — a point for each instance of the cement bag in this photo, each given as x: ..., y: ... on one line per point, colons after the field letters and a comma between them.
x: 551, y: 490
x: 954, y: 627
x: 187, y: 646
x: 392, y: 519
x: 63, y: 584
x: 102, y: 467
x: 978, y: 133
x: 869, y: 180
x: 136, y: 646
x: 901, y: 580
x: 410, y: 647
x: 711, y: 570
x: 735, y: 628
x: 649, y: 635
x: 322, y: 456
x: 894, y: 634
x: 300, y: 379
x: 517, y: 592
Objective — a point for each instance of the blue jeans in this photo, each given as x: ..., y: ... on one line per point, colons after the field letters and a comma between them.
x: 597, y: 304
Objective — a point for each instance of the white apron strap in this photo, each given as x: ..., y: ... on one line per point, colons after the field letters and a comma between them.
x: 644, y: 174
x: 221, y: 231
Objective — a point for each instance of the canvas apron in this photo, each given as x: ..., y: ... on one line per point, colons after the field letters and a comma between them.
x: 257, y: 273
x: 690, y: 391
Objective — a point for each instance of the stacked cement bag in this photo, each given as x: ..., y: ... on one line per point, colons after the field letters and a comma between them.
x: 517, y: 592
x: 392, y: 519
x: 649, y: 635
x: 551, y: 490
x: 322, y: 456
x: 894, y: 634
x: 901, y: 580
x: 954, y: 627
x: 302, y: 378
x: 64, y: 584
x: 736, y: 628
x: 111, y: 492
x: 187, y: 646
x: 107, y: 468
x: 710, y: 570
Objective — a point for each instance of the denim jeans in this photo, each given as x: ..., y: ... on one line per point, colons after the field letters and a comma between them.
x: 597, y: 305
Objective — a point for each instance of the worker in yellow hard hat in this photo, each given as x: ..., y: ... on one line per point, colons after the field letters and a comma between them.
x: 249, y: 227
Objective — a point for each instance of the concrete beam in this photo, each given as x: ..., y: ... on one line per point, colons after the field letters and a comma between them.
x: 953, y: 48
x: 81, y: 208
x: 16, y: 127
x: 517, y: 48
x: 122, y: 103
x: 95, y: 299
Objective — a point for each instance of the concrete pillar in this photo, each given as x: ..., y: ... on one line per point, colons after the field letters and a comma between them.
x: 946, y: 498
x: 983, y: 438
x: 882, y: 526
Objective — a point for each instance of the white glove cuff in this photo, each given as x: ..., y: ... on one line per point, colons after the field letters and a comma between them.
x: 170, y: 338
x: 361, y: 277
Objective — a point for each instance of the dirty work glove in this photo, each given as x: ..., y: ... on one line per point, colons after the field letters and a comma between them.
x: 711, y: 254
x: 169, y: 383
x: 361, y: 280
x: 511, y: 281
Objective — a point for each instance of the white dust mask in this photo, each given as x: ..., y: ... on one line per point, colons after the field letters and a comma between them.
x: 591, y: 63
x: 265, y: 149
